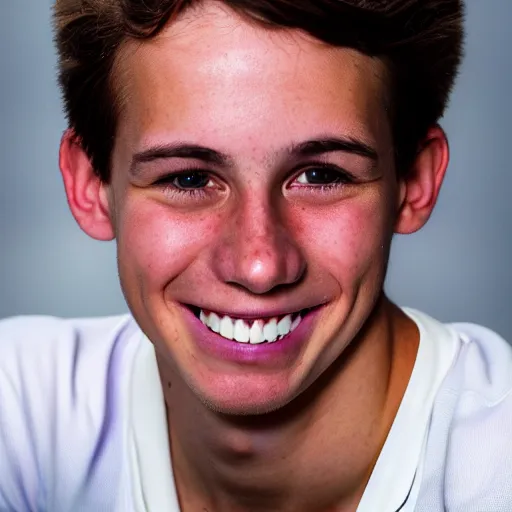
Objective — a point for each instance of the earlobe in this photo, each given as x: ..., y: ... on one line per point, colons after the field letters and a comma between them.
x: 86, y: 193
x: 419, y: 189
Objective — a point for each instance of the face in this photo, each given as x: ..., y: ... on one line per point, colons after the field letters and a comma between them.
x: 254, y: 197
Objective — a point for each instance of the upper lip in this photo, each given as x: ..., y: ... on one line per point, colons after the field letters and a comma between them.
x: 251, y: 314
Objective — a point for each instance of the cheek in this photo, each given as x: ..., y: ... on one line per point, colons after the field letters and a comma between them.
x: 350, y: 240
x: 156, y: 244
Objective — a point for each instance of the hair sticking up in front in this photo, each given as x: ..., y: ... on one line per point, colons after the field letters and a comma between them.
x: 420, y: 41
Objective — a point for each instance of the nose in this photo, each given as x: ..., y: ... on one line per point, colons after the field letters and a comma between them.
x: 256, y: 251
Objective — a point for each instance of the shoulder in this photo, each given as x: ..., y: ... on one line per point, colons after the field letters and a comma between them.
x: 46, y: 331
x: 484, y: 364
x: 60, y: 396
x: 38, y: 352
x: 478, y: 472
x: 45, y: 359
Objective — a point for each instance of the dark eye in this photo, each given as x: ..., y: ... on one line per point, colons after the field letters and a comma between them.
x: 322, y: 176
x: 191, y: 180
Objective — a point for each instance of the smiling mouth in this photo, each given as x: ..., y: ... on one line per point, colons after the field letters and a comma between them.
x: 250, y: 331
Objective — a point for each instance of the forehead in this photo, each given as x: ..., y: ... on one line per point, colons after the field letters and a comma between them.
x: 213, y: 74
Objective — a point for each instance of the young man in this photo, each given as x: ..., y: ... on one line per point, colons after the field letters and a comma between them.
x: 253, y: 160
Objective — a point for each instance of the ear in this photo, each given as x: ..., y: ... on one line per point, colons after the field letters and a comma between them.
x: 419, y: 189
x: 87, y: 194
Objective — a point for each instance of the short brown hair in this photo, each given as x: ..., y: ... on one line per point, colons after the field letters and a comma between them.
x: 420, y: 40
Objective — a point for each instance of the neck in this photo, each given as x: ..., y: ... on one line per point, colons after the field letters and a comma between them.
x: 315, y: 454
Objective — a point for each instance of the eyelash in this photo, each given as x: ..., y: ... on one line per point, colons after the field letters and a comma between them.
x: 199, y: 193
x: 344, y: 178
x: 169, y: 188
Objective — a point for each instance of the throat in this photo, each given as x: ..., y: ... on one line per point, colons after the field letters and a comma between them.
x: 246, y: 469
x: 218, y: 472
x: 249, y: 472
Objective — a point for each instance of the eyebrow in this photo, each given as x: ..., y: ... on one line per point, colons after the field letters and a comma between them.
x: 332, y: 144
x: 179, y: 150
x: 310, y: 148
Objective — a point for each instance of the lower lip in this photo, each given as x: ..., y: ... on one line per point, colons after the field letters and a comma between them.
x: 273, y: 354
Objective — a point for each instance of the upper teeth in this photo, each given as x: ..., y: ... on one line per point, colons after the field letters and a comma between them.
x: 259, y: 332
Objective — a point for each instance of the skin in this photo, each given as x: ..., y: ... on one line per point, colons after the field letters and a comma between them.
x: 300, y: 433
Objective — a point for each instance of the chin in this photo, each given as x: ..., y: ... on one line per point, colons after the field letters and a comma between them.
x: 244, y: 397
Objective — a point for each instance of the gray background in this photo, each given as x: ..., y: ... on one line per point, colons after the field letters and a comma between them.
x: 456, y: 268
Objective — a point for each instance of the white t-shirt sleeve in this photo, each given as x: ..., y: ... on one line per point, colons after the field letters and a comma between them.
x: 479, y: 460
x: 468, y: 466
x: 60, y: 413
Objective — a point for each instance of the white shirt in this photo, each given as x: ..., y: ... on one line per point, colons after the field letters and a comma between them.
x: 83, y: 427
